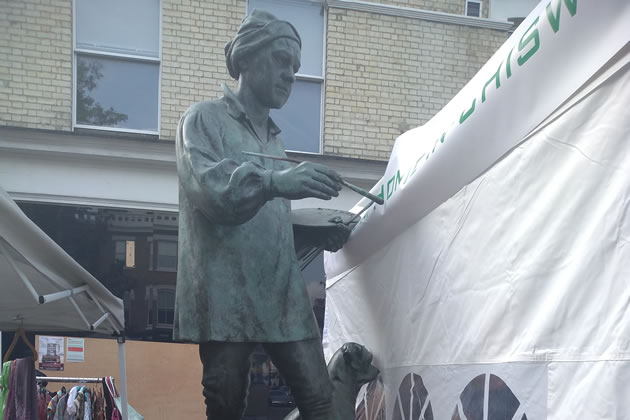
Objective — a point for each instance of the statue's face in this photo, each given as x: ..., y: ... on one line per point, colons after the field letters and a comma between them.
x: 271, y: 73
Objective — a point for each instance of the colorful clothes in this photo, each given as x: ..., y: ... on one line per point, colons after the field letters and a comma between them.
x: 4, y: 386
x: 21, y: 403
x: 52, y: 406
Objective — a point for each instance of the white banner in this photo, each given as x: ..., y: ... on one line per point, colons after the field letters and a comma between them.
x: 507, y: 297
x: 558, y: 47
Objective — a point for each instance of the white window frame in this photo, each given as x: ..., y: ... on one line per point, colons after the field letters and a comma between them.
x: 479, y: 2
x: 313, y: 78
x: 127, y: 57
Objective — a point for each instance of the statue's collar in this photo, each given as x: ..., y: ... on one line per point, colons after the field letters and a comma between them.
x: 236, y: 110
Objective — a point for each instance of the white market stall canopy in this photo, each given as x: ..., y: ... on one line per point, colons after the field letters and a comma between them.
x: 493, y: 283
x: 42, y: 288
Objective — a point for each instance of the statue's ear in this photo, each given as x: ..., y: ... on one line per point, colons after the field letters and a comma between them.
x: 248, y: 61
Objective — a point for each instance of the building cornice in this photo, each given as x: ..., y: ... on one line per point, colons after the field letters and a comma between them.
x: 146, y: 153
x: 420, y: 14
x: 82, y: 146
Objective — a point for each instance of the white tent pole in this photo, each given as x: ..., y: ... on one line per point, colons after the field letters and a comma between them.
x: 123, y: 377
x: 100, y: 320
x: 109, y: 319
x: 74, y: 303
x: 61, y: 295
x: 21, y: 275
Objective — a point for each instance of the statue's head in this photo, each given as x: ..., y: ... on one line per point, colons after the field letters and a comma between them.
x: 265, y: 55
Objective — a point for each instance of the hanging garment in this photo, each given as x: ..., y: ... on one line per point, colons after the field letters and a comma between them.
x: 79, y: 404
x: 132, y: 414
x: 112, y: 392
x: 87, y: 406
x: 98, y: 409
x: 22, y: 396
x: 52, y: 406
x: 70, y: 408
x: 43, y: 398
x: 4, y: 386
x: 61, y: 412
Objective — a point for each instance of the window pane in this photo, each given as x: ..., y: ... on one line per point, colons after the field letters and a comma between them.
x: 119, y: 252
x: 166, y: 299
x: 308, y: 19
x: 299, y: 119
x: 473, y: 9
x: 117, y: 93
x: 131, y: 27
x: 166, y: 316
x: 166, y: 306
x: 167, y: 256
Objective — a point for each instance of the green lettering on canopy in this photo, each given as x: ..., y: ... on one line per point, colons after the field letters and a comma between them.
x: 497, y: 83
x: 554, y: 19
x: 525, y: 40
x: 467, y: 114
x: 390, y: 191
x: 508, y: 64
x: 382, y: 193
x: 439, y: 140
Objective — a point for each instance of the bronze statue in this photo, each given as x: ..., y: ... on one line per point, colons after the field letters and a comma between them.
x: 238, y: 281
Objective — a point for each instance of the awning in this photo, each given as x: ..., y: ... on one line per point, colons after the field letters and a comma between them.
x: 42, y: 287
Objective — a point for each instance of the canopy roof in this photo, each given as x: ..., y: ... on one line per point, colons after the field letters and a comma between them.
x: 42, y: 287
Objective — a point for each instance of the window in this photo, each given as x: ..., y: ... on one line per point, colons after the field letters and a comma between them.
x: 166, y: 306
x: 301, y: 117
x: 473, y: 8
x: 125, y: 253
x: 163, y: 255
x: 161, y: 302
x: 117, y: 65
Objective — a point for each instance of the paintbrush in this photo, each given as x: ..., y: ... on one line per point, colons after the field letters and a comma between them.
x: 366, y: 194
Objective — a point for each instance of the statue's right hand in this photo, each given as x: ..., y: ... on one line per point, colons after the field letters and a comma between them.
x: 306, y: 180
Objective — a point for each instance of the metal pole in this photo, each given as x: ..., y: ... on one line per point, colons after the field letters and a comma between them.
x: 123, y: 377
x: 69, y: 379
x: 21, y: 275
x: 61, y: 295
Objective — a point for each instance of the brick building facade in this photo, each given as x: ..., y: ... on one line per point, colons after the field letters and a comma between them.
x: 387, y: 68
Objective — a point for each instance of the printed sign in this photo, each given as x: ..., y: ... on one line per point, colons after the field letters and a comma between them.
x: 76, y: 349
x: 51, y: 353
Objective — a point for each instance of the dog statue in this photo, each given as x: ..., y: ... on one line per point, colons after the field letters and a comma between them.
x: 349, y: 369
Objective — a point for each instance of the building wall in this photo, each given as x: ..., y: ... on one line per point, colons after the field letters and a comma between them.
x: 386, y: 74
x: 193, y: 63
x: 36, y: 64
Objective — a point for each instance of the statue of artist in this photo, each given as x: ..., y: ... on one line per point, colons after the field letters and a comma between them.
x: 239, y: 283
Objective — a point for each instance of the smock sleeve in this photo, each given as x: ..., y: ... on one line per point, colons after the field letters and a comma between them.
x: 227, y: 192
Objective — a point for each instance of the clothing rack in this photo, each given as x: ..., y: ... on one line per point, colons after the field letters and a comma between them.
x: 73, y: 380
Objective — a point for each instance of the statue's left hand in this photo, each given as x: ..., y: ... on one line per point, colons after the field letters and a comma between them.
x: 336, y: 237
